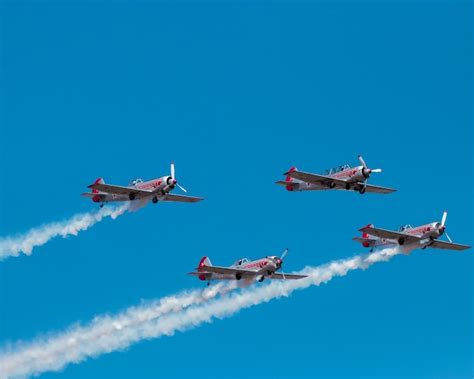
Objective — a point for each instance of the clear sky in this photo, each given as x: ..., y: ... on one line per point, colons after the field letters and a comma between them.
x: 236, y: 93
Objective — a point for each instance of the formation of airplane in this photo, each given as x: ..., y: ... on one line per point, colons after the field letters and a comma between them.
x: 342, y: 177
x: 245, y: 269
x: 158, y: 189
x: 409, y: 237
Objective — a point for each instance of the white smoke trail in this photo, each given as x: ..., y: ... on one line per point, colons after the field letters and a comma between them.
x: 110, y: 333
x: 104, y: 334
x: 25, y: 243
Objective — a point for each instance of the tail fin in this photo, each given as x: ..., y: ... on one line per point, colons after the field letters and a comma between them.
x: 366, y: 235
x: 205, y: 261
x: 98, y: 181
x: 366, y: 240
x: 289, y: 179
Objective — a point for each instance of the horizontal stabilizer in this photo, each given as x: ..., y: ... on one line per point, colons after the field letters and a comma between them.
x: 283, y: 183
x: 362, y: 240
x: 88, y: 194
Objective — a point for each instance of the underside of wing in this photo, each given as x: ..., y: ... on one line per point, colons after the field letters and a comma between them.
x: 120, y: 190
x: 378, y: 189
x: 315, y: 178
x: 278, y: 275
x: 181, y: 198
x: 389, y: 234
x: 448, y: 245
x: 227, y: 270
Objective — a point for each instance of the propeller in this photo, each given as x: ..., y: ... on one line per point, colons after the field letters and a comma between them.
x: 279, y: 261
x: 443, y: 219
x: 172, y: 171
x: 362, y: 162
x: 366, y: 171
x: 443, y: 227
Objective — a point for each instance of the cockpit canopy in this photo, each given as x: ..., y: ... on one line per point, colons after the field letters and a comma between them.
x: 240, y: 261
x: 405, y: 227
x: 337, y: 169
x: 136, y: 181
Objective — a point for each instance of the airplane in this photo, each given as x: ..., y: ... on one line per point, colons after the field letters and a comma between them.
x: 409, y: 237
x: 342, y: 177
x: 244, y: 269
x: 156, y: 189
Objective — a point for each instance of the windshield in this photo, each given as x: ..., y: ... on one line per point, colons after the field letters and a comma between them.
x: 333, y: 170
x: 240, y: 261
x: 136, y: 181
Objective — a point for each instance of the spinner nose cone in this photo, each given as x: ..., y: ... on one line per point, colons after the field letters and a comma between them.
x: 278, y: 262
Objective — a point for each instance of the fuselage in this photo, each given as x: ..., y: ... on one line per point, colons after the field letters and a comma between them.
x: 159, y: 187
x: 262, y: 268
x: 349, y: 174
x: 427, y: 234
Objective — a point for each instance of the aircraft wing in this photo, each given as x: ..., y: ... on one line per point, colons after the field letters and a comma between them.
x: 377, y: 189
x: 448, y: 245
x: 389, y: 234
x: 315, y: 178
x: 119, y: 190
x: 227, y: 270
x: 279, y: 275
x: 181, y: 198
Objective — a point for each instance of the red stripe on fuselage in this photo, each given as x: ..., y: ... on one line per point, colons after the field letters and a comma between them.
x: 349, y: 172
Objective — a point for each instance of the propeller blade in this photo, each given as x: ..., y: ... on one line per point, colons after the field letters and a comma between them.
x: 362, y: 161
x: 172, y: 170
x: 449, y: 239
x: 283, y: 255
x: 284, y: 278
x: 376, y: 170
x: 181, y: 188
x: 443, y: 220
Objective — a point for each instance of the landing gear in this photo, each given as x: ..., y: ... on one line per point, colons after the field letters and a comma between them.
x: 208, y: 283
x: 154, y: 200
x: 269, y: 273
x: 131, y: 196
x: 332, y: 185
x: 238, y: 276
x: 362, y: 190
x: 101, y: 205
x: 348, y: 186
x: 401, y: 241
x: 261, y: 279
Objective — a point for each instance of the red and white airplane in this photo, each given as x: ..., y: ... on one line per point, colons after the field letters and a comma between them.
x: 342, y: 177
x: 409, y: 237
x: 155, y: 190
x: 244, y: 269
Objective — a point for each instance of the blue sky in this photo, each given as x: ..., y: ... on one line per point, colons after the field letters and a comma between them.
x: 236, y: 93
